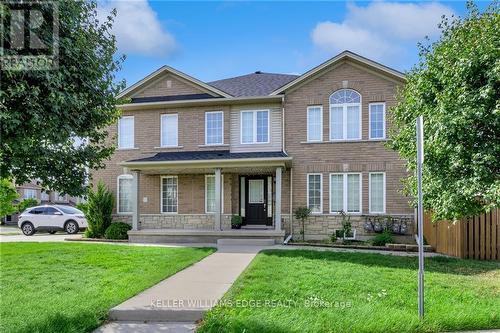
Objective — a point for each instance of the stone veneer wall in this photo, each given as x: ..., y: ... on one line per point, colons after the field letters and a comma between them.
x: 176, y: 221
x: 320, y: 227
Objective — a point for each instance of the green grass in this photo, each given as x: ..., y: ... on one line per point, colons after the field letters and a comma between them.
x: 357, y: 292
x: 60, y: 287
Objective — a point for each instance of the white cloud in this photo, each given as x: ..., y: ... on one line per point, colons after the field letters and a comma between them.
x: 380, y: 29
x: 137, y: 28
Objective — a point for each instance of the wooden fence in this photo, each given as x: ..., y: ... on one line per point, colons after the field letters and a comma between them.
x: 475, y: 237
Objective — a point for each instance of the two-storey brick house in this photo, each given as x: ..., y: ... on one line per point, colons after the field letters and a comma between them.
x: 192, y: 154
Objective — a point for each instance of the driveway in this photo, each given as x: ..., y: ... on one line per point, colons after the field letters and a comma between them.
x: 13, y: 234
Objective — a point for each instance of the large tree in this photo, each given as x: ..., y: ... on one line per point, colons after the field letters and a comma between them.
x: 456, y: 88
x: 43, y: 111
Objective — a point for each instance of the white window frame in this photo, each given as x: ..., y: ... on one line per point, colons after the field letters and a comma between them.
x: 370, y: 192
x: 206, y: 129
x: 161, y: 196
x: 344, y: 118
x: 321, y: 123
x: 161, y: 129
x: 321, y: 191
x: 133, y: 132
x: 29, y: 190
x: 206, y: 193
x: 344, y: 192
x: 254, y: 119
x: 370, y: 121
x: 124, y: 176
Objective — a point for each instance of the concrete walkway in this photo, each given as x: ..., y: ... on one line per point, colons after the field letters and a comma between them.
x: 187, y: 295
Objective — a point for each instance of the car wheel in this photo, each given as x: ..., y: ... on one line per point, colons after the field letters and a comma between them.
x: 71, y: 227
x: 52, y: 232
x: 28, y: 228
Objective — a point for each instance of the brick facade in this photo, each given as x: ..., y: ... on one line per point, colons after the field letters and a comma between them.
x: 326, y: 157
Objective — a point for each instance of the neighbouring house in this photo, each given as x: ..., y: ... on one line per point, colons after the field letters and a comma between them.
x: 191, y: 154
x: 33, y: 190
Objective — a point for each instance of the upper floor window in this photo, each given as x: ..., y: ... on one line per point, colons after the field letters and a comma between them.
x: 315, y: 123
x: 255, y: 126
x: 126, y: 132
x: 125, y: 193
x: 345, y: 115
x: 214, y: 128
x: 169, y: 130
x: 29, y: 193
x: 377, y: 120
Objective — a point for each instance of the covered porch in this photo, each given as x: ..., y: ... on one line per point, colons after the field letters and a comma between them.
x: 199, y: 192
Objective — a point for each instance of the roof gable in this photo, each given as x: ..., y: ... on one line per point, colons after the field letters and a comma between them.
x: 344, y: 56
x: 158, y: 80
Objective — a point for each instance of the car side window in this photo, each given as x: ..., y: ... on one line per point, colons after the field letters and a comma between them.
x: 37, y: 211
x: 50, y: 211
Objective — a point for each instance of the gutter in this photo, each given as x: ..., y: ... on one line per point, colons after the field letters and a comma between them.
x: 200, y: 102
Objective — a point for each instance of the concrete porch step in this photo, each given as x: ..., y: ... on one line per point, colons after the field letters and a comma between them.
x: 246, y: 241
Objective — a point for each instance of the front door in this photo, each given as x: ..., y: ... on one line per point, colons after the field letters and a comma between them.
x: 256, y: 201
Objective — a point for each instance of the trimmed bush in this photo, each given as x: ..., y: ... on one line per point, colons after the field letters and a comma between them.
x: 117, y: 230
x: 382, y: 239
x: 99, y: 211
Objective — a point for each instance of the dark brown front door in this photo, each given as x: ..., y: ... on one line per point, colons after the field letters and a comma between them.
x: 256, y: 201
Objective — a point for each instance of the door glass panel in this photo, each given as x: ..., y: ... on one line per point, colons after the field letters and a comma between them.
x: 256, y: 191
x: 50, y: 211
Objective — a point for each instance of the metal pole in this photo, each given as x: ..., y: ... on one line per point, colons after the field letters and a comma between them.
x: 420, y: 212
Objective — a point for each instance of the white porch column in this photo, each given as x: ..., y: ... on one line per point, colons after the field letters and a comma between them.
x: 277, y: 215
x: 135, y: 200
x: 218, y: 191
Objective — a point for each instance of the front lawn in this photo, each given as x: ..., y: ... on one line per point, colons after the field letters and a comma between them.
x: 315, y: 291
x: 61, y: 287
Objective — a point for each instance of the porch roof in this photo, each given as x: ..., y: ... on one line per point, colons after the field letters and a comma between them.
x: 208, y: 159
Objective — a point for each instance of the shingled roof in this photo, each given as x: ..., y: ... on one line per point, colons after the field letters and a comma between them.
x: 255, y: 84
x: 207, y: 155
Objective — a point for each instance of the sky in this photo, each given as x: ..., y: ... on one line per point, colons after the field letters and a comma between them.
x: 215, y: 40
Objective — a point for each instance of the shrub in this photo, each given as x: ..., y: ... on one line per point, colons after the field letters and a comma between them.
x: 99, y: 211
x: 26, y: 203
x: 83, y: 206
x: 117, y: 230
x: 302, y: 214
x: 236, y: 220
x: 382, y: 239
x: 333, y: 237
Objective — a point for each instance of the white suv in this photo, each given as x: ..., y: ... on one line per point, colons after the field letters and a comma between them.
x: 52, y: 218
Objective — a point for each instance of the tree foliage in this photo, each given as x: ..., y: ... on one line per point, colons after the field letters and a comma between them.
x: 43, y: 111
x: 27, y: 203
x: 456, y: 88
x: 8, y: 194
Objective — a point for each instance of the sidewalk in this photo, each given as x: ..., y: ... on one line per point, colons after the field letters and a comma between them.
x: 187, y: 295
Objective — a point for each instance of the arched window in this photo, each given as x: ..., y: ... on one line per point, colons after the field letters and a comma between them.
x: 345, y: 115
x: 124, y: 190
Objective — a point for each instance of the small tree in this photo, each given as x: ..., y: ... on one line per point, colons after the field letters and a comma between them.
x: 302, y: 214
x: 8, y: 194
x: 26, y: 203
x: 346, y: 225
x: 99, y: 211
